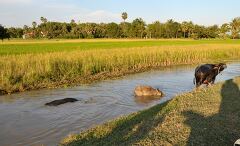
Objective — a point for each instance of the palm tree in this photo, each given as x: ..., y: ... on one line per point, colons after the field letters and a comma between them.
x: 190, y: 28
x: 124, y: 16
x: 235, y: 27
x: 44, y: 20
x: 73, y: 21
x: 224, y: 29
x: 34, y: 24
x: 25, y: 28
x: 169, y: 25
x: 184, y: 27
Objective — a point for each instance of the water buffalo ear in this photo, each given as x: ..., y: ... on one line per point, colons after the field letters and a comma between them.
x: 216, y: 67
x: 224, y: 66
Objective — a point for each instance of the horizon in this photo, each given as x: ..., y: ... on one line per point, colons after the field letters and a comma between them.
x: 17, y: 13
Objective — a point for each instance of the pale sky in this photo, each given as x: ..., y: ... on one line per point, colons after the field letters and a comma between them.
x: 206, y: 12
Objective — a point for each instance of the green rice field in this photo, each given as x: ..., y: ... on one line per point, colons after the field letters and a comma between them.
x: 45, y: 46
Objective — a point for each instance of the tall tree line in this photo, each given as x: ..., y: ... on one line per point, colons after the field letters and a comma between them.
x: 135, y: 29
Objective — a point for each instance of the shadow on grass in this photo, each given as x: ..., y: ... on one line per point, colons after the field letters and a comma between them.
x: 128, y: 130
x: 222, y: 128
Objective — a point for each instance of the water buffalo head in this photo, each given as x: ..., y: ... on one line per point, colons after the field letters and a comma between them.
x: 220, y: 67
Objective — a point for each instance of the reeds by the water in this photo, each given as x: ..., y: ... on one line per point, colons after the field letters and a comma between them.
x: 41, y: 70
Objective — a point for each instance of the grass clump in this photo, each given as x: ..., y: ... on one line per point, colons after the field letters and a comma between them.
x: 203, y: 117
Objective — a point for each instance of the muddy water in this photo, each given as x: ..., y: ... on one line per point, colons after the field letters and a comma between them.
x: 24, y: 120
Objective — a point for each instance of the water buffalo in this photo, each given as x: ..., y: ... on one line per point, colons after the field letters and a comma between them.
x: 206, y: 74
x: 61, y: 101
x: 147, y: 91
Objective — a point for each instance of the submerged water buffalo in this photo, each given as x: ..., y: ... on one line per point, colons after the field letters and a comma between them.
x: 61, y: 101
x: 147, y: 91
x: 206, y: 74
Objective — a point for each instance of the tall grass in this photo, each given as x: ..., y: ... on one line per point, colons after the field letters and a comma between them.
x: 48, y: 70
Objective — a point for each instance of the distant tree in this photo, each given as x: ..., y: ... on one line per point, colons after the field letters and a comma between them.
x: 25, y: 29
x: 88, y: 30
x: 184, y: 27
x: 224, y: 29
x: 199, y: 32
x: 212, y: 31
x: 112, y: 30
x: 168, y: 28
x: 172, y: 29
x: 138, y: 28
x: 125, y: 28
x: 34, y: 24
x: 176, y: 29
x: 155, y: 30
x: 57, y: 30
x: 43, y: 30
x: 44, y: 20
x: 235, y: 27
x: 3, y: 33
x: 73, y: 21
x: 190, y: 28
x: 7, y: 35
x: 76, y: 32
x: 101, y: 30
x: 15, y: 32
x: 124, y: 16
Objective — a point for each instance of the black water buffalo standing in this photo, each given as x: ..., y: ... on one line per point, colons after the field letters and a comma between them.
x: 206, y: 74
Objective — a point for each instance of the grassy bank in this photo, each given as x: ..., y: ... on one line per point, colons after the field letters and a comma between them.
x: 204, y: 117
x: 33, y: 70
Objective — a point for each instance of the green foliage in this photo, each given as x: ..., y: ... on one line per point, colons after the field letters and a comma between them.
x: 172, y: 29
x: 235, y: 27
x: 184, y: 27
x: 124, y: 16
x: 125, y: 28
x: 138, y: 28
x: 113, y: 30
x: 155, y: 30
x: 44, y: 20
x: 3, y: 33
x: 135, y: 29
x: 34, y: 24
x: 212, y: 31
x: 225, y: 28
x: 15, y: 32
